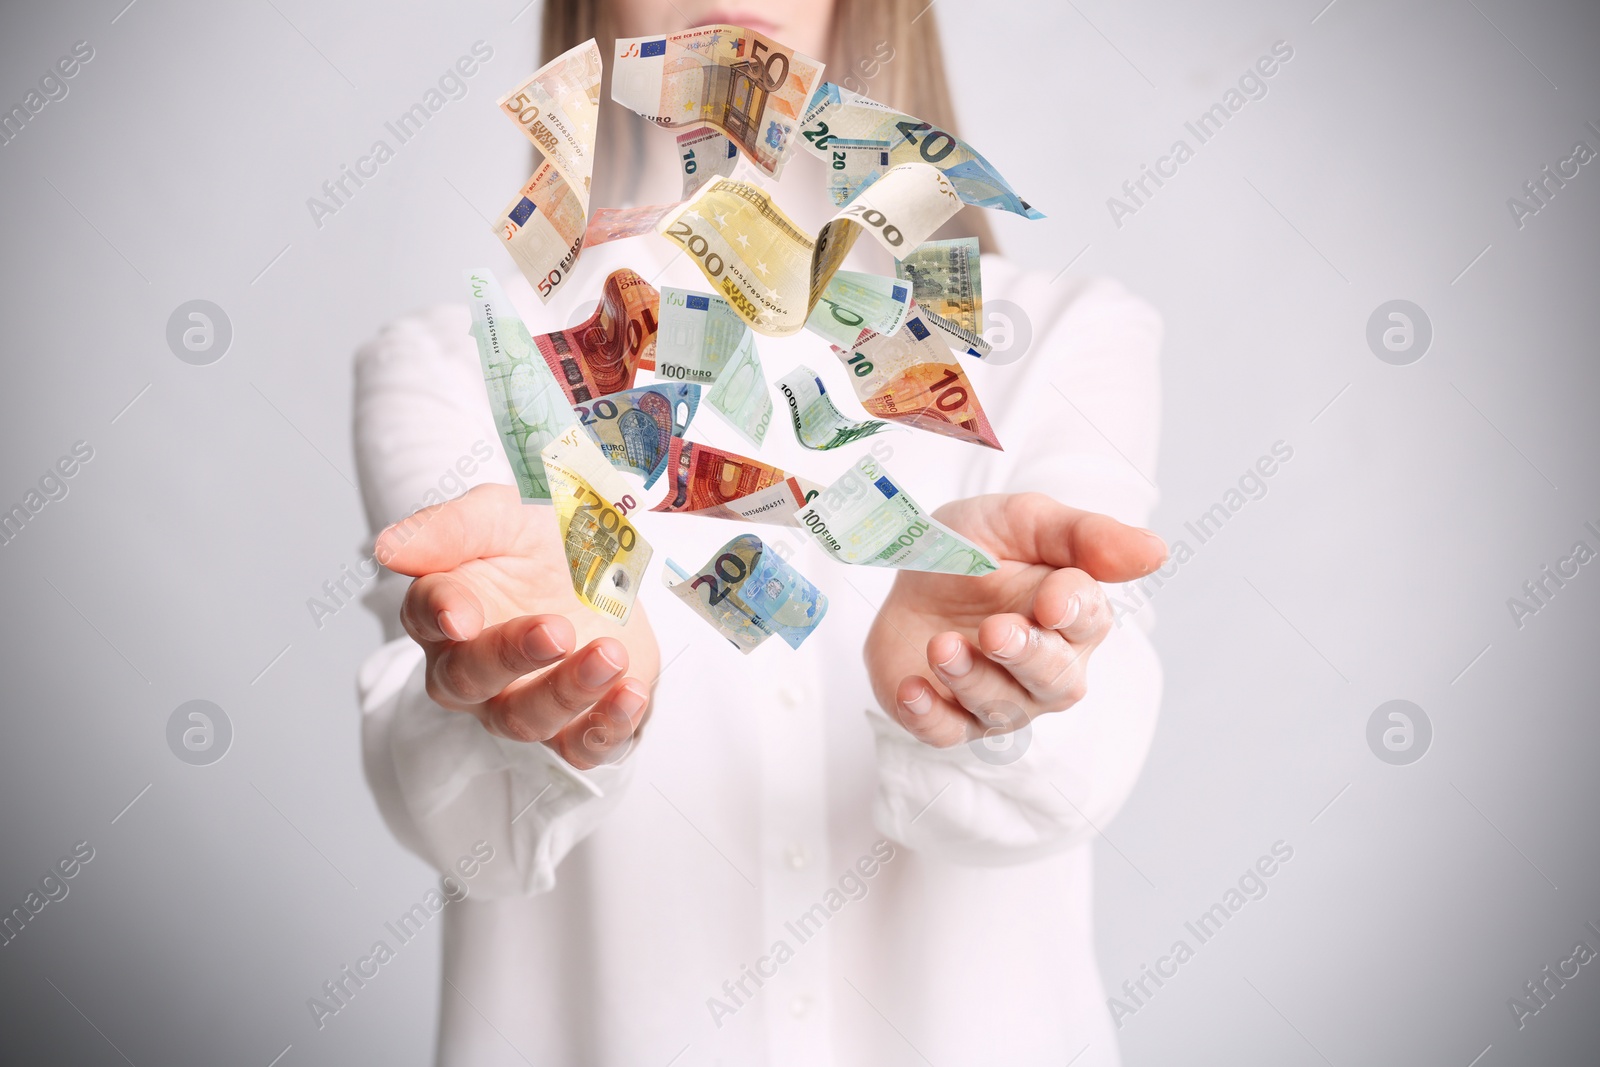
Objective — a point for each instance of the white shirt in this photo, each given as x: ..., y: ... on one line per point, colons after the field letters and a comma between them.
x: 616, y: 922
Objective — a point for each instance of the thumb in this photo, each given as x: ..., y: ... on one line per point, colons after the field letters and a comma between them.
x: 1033, y: 528
x: 486, y: 521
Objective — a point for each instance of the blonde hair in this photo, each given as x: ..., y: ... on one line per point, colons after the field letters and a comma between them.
x: 886, y: 49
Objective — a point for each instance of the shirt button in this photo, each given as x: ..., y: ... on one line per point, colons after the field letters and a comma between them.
x: 797, y: 856
x: 800, y: 1006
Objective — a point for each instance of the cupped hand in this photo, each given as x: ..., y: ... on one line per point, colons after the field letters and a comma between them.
x: 507, y: 639
x: 955, y: 657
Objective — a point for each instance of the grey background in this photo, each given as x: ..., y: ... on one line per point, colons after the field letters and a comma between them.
x: 1418, y: 500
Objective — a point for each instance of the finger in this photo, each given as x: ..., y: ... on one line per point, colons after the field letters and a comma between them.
x: 1074, y: 605
x: 604, y: 733
x: 1035, y: 528
x: 978, y: 684
x: 538, y: 709
x: 1041, y: 660
x: 439, y: 607
x: 470, y: 672
x: 486, y: 521
x: 929, y: 716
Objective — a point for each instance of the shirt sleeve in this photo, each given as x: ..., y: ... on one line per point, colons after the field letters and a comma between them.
x: 1081, y: 419
x: 424, y: 434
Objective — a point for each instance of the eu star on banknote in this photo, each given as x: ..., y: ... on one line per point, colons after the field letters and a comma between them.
x: 749, y: 592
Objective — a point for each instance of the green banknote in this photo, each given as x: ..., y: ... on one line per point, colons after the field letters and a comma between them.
x: 529, y: 408
x: 867, y: 518
x: 818, y: 424
x: 748, y: 592
x: 698, y: 335
x: 740, y: 395
x: 853, y: 302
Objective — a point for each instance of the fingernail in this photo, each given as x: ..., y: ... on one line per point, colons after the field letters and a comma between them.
x: 631, y: 700
x: 920, y: 704
x: 540, y: 643
x: 1016, y: 640
x: 959, y: 663
x: 598, y: 668
x: 1159, y: 541
x: 452, y: 629
x: 1069, y: 616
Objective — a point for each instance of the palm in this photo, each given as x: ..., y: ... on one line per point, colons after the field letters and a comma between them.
x: 531, y: 578
x: 945, y: 647
x: 922, y: 605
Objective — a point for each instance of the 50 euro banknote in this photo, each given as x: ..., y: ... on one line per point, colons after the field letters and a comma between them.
x: 558, y: 108
x: 742, y: 83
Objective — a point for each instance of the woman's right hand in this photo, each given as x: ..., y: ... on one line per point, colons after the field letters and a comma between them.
x: 506, y: 637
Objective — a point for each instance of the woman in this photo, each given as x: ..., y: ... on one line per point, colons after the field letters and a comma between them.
x: 840, y: 854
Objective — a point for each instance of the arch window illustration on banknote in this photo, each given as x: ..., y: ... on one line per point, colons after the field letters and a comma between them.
x: 747, y: 100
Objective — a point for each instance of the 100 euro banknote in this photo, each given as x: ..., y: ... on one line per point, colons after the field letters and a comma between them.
x: 866, y: 518
x: 529, y: 408
x: 818, y: 422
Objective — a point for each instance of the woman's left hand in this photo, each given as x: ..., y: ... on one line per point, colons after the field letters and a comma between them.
x: 954, y: 657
